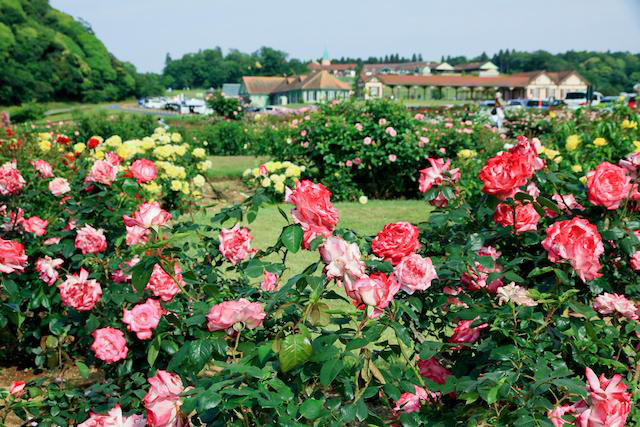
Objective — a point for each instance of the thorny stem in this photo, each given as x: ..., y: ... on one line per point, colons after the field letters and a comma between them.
x: 235, y: 347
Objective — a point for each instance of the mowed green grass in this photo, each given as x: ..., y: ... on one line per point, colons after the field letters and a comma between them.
x: 232, y: 166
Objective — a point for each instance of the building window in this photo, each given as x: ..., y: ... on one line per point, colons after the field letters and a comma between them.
x: 311, y: 95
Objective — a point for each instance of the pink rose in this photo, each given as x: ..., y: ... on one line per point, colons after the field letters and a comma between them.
x: 419, y: 116
x: 343, y: 260
x: 376, y: 291
x: 235, y: 244
x: 367, y: 140
x: 162, y: 285
x: 47, y: 269
x: 504, y: 174
x: 608, y: 185
x: 526, y: 217
x: 313, y: 210
x: 17, y: 388
x: 635, y: 261
x: 109, y: 345
x: 163, y: 401
x: 410, y: 403
x: 52, y: 241
x: 359, y: 127
x: 80, y: 293
x: 464, y: 333
x: 105, y: 171
x: 137, y: 235
x: 477, y: 280
x: 613, y: 303
x: 269, y: 282
x: 90, y: 241
x: 393, y: 158
x: 529, y: 150
x: 35, y: 225
x: 348, y: 163
x: 578, y: 242
x: 12, y: 256
x: 225, y: 315
x: 59, y: 186
x: 382, y: 122
x: 433, y: 175
x: 11, y: 182
x: 143, y: 318
x: 390, y: 131
x: 433, y: 370
x: 144, y: 171
x: 43, y: 168
x: 415, y: 273
x: 556, y: 415
x: 396, y: 241
x: 122, y: 275
x: 114, y: 419
x: 147, y: 215
x: 631, y: 164
x: 567, y: 202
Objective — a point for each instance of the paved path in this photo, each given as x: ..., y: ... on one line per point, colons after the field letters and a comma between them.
x: 115, y: 107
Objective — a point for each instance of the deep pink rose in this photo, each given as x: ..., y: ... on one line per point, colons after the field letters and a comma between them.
x: 144, y: 171
x: 609, y: 185
x: 567, y: 202
x: 114, y: 418
x: 434, y: 175
x: 376, y: 291
x: 235, y: 244
x: 59, y: 187
x: 504, y: 174
x: 90, y: 241
x: 11, y: 182
x: 137, y: 235
x: 529, y: 151
x: 43, y: 168
x: 80, y: 292
x: 464, y: 333
x: 225, y: 315
x: 162, y: 285
x: 526, y: 217
x: 147, y: 215
x: 163, y: 401
x: 12, y: 256
x: 105, y: 171
x: 35, y: 225
x: 410, y: 402
x: 578, y: 242
x: 109, y: 345
x: 396, y: 241
x: 476, y: 280
x: 269, y: 282
x: 47, y: 269
x: 343, y: 260
x: 433, y: 370
x: 313, y: 210
x: 415, y: 273
x: 143, y: 318
x: 17, y: 388
x: 635, y: 261
x: 613, y: 303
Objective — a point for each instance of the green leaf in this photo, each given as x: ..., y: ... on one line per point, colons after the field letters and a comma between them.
x: 84, y: 369
x: 330, y: 371
x: 294, y: 350
x: 154, y: 350
x: 291, y: 237
x: 141, y: 273
x: 200, y: 354
x: 130, y: 187
x: 311, y: 409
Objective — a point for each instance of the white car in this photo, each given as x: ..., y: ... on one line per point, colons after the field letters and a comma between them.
x: 575, y: 100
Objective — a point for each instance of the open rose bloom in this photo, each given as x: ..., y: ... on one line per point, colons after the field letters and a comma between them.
x: 104, y: 171
x: 609, y: 185
x: 343, y: 260
x: 235, y: 244
x: 11, y: 181
x: 114, y: 418
x: 143, y: 318
x: 109, y: 345
x: 396, y: 241
x: 148, y: 215
x: 163, y: 401
x: 12, y: 257
x: 144, y: 171
x: 375, y: 291
x: 80, y: 292
x: 313, y: 210
x: 225, y: 315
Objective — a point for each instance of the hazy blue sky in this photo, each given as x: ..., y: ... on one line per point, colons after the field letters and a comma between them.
x: 143, y: 31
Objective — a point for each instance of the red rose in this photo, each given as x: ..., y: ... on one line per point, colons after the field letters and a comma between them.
x: 526, y: 217
x: 314, y: 211
x: 608, y: 185
x: 503, y: 175
x: 396, y: 241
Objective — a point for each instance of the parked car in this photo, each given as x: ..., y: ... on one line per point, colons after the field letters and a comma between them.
x: 579, y: 99
x: 515, y: 104
x: 537, y: 104
x: 488, y: 104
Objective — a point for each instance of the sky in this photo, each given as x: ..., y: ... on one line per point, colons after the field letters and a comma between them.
x: 144, y: 31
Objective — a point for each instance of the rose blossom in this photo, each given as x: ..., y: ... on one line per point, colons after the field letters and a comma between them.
x: 433, y: 370
x: 43, y: 168
x: 17, y: 388
x: 114, y: 419
x: 578, y: 242
x: 464, y: 333
x: 415, y: 273
x: 269, y: 282
x: 376, y: 291
x: 144, y: 171
x: 611, y: 303
x: 504, y: 174
x: 477, y: 280
x: 35, y: 225
x: 631, y: 164
x: 313, y: 210
x: 143, y: 318
x: 11, y: 182
x: 635, y: 261
x: 396, y: 241
x: 147, y: 215
x: 52, y: 241
x: 47, y: 268
x: 343, y: 260
x: 109, y: 345
x: 223, y: 316
x: 434, y: 175
x: 162, y: 285
x: 526, y: 217
x: 104, y: 171
x: 367, y: 140
x: 608, y: 185
x: 12, y: 256
x: 90, y: 241
x: 516, y: 294
x: 410, y: 402
x: 163, y: 401
x: 137, y: 235
x: 235, y: 244
x: 80, y: 293
x: 59, y: 186
x: 121, y: 275
x: 529, y: 150
x: 567, y: 202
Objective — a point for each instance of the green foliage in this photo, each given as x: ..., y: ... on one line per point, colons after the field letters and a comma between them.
x: 101, y: 122
x: 230, y: 108
x: 27, y: 112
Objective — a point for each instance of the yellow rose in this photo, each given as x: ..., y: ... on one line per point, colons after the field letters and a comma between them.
x: 558, y: 159
x: 552, y: 115
x: 185, y: 187
x: 176, y: 185
x: 266, y: 182
x: 572, y: 142
x: 176, y: 137
x: 256, y: 172
x: 44, y: 145
x: 44, y: 135
x: 206, y: 165
x: 99, y: 155
x: 599, y: 142
x: 79, y: 147
x: 550, y: 153
x: 196, y: 194
x: 576, y: 168
x: 180, y: 150
x: 148, y: 143
x: 467, y: 154
x: 628, y: 124
x: 636, y: 144
x: 279, y: 187
x: 153, y: 188
x: 199, y: 153
x: 296, y: 171
x: 114, y: 141
x: 583, y: 179
x: 246, y: 172
x: 198, y: 180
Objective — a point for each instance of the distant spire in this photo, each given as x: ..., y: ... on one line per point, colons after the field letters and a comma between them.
x: 325, y: 57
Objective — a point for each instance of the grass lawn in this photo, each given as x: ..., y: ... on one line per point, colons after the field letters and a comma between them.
x: 232, y: 166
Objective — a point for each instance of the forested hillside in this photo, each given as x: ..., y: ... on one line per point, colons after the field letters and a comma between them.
x: 48, y: 55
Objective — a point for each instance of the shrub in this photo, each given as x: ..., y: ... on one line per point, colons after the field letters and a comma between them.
x: 228, y: 108
x: 101, y: 122
x: 28, y: 112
